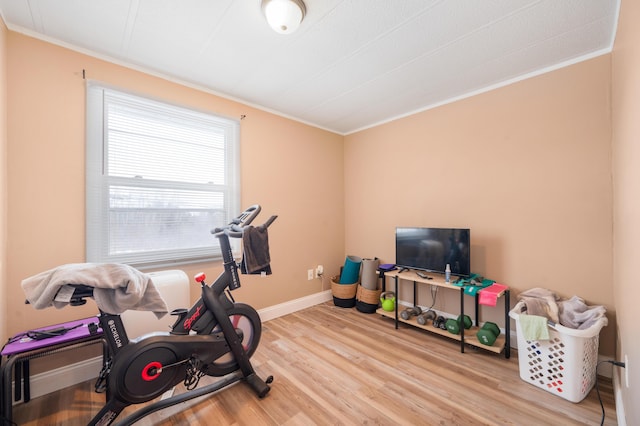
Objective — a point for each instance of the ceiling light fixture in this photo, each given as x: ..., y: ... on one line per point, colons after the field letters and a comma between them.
x: 284, y: 16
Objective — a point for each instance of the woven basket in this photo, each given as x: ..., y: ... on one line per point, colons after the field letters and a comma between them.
x: 344, y: 295
x: 367, y: 300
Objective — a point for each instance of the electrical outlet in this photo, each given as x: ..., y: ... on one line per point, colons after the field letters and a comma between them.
x: 626, y: 370
x: 319, y: 271
x: 309, y: 274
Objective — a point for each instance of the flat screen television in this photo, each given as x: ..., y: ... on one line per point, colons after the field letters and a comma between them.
x: 431, y: 249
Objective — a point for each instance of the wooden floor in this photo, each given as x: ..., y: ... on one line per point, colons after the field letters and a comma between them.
x: 339, y: 366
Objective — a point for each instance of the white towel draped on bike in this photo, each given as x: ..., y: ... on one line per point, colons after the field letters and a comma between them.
x: 117, y: 287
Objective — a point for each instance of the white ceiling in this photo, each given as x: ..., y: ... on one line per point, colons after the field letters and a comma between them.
x: 352, y: 64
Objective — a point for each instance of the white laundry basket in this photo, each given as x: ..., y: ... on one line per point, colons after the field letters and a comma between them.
x: 564, y: 365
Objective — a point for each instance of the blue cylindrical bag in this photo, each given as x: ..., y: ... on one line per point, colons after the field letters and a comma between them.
x: 351, y: 270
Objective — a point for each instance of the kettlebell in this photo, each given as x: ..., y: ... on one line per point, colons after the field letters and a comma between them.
x: 388, y: 301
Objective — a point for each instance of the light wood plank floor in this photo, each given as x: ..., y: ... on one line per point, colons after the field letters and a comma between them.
x: 339, y: 366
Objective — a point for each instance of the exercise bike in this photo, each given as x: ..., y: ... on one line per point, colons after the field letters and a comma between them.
x: 215, y: 337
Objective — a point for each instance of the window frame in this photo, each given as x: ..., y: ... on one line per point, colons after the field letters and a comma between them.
x: 98, y: 183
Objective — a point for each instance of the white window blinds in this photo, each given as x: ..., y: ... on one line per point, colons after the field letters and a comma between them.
x: 159, y: 178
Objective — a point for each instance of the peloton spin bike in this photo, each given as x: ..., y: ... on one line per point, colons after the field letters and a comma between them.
x: 216, y: 337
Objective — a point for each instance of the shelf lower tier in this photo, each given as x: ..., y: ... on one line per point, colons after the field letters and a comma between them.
x: 469, y: 335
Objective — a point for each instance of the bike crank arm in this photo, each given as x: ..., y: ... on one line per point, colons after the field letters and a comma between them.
x: 154, y: 368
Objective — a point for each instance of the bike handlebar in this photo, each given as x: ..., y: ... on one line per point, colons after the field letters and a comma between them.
x: 236, y: 227
x: 235, y: 231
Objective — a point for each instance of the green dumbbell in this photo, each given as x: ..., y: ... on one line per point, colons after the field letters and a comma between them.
x: 453, y: 325
x: 488, y: 333
x: 466, y: 320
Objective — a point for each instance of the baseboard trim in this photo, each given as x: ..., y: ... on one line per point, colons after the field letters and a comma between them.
x: 292, y: 306
x: 60, y: 378
x: 617, y: 395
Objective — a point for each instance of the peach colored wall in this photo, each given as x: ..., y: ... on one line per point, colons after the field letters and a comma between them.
x: 626, y: 207
x: 526, y: 167
x: 291, y: 169
x: 3, y: 182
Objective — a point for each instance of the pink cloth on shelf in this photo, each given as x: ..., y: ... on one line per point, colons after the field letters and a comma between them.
x: 489, y: 295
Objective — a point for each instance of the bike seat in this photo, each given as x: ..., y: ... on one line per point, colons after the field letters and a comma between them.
x: 80, y: 293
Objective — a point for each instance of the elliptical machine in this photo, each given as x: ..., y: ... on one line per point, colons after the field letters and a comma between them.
x: 215, y: 337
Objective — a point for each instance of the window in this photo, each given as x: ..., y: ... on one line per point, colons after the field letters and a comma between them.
x: 159, y: 178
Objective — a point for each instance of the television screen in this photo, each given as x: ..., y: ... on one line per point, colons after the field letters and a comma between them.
x: 431, y: 249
